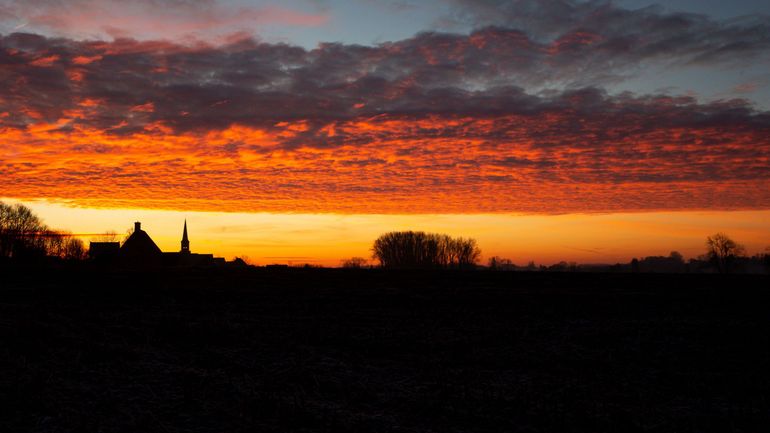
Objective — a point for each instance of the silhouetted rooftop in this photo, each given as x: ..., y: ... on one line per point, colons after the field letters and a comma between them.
x: 139, y: 245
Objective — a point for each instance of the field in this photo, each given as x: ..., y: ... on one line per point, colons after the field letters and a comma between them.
x: 284, y: 350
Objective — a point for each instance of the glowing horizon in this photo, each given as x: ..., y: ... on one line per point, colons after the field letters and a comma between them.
x: 326, y: 239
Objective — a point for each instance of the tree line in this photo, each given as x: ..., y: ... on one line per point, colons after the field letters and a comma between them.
x: 23, y: 236
x: 722, y: 255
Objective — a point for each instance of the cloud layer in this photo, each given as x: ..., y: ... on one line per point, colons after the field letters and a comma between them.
x: 439, y: 122
x: 148, y: 19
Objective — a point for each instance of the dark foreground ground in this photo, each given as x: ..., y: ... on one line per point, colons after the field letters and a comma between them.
x: 348, y: 351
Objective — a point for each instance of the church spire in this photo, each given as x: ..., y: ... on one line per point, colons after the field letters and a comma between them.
x: 185, y: 241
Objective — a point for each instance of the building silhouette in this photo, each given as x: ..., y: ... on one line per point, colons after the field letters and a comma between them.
x: 185, y: 242
x: 104, y: 252
x: 140, y: 251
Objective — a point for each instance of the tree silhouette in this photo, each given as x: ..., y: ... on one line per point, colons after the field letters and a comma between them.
x: 497, y: 263
x: 128, y: 234
x: 22, y: 234
x: 354, y: 263
x: 73, y: 249
x: 723, y: 251
x: 468, y: 252
x: 109, y: 236
x: 673, y: 263
x: 677, y: 257
x: 420, y: 250
x: 563, y: 267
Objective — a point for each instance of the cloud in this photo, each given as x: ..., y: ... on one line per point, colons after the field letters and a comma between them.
x: 435, y: 123
x: 201, y: 86
x: 606, y: 33
x: 751, y: 86
x: 583, y: 151
x: 147, y: 19
x: 493, y: 69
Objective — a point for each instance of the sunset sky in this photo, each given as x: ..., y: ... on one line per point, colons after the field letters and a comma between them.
x: 298, y: 131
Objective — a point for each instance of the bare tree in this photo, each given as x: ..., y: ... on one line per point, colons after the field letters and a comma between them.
x: 424, y: 250
x: 73, y: 249
x: 64, y: 245
x: 54, y: 244
x: 723, y: 251
x: 468, y: 252
x: 23, y: 236
x: 128, y: 234
x: 109, y: 236
x: 22, y: 233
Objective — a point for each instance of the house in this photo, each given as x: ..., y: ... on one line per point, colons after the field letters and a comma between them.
x: 104, y: 251
x: 140, y: 251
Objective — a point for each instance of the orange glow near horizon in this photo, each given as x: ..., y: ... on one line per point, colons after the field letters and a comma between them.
x: 386, y: 165
x: 325, y: 239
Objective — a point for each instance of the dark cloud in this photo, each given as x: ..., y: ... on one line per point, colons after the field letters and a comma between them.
x: 125, y: 85
x: 620, y: 38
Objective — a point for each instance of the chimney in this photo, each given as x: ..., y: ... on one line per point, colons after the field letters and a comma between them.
x: 137, y: 226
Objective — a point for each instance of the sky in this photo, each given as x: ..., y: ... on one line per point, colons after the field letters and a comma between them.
x: 593, y: 131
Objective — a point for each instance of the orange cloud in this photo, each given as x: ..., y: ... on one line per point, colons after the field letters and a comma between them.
x: 394, y: 128
x: 45, y: 62
x: 388, y: 164
x: 144, y: 108
x: 85, y: 60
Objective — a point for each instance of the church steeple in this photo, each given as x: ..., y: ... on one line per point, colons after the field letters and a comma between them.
x: 185, y: 241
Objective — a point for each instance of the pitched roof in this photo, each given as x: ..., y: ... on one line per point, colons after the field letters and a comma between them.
x: 139, y: 244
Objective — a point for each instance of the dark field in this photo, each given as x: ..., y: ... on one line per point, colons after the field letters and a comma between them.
x: 357, y: 351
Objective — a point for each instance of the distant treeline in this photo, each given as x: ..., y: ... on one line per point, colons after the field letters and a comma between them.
x: 757, y: 264
x: 24, y: 237
x: 722, y: 255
